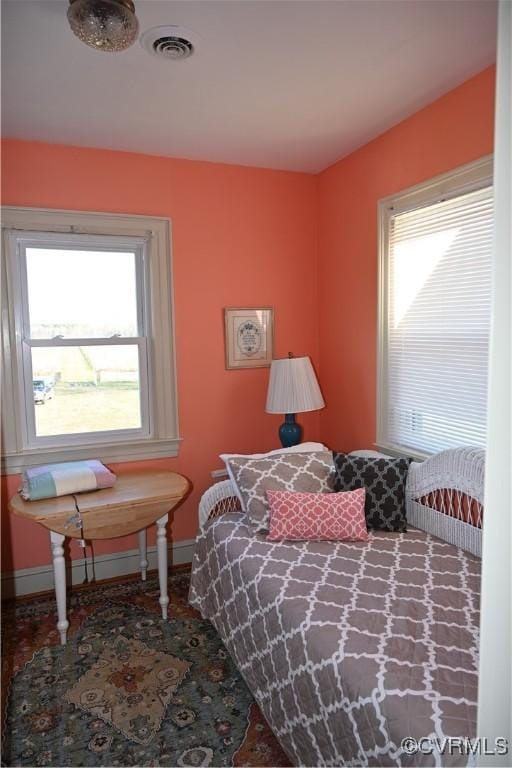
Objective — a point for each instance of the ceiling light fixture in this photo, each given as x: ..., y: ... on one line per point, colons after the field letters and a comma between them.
x: 106, y: 25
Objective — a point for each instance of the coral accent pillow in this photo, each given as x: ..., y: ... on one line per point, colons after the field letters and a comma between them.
x: 317, y: 516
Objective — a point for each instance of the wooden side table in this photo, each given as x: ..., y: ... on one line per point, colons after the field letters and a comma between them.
x: 137, y: 500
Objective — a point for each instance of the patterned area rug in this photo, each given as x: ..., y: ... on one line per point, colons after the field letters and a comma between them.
x: 128, y: 689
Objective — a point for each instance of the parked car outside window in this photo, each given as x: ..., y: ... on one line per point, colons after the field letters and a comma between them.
x: 43, y: 390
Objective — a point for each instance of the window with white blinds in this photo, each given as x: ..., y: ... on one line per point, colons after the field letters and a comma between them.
x: 435, y: 316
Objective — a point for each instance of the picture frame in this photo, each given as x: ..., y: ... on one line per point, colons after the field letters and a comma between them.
x: 249, y: 336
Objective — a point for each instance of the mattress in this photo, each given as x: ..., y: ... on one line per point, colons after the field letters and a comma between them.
x: 348, y: 647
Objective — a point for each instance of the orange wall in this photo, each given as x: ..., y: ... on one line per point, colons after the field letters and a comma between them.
x: 241, y: 237
x: 451, y: 131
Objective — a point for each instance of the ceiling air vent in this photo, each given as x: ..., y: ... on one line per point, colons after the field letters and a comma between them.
x: 171, y: 42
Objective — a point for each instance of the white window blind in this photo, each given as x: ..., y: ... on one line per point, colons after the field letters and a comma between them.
x: 436, y: 324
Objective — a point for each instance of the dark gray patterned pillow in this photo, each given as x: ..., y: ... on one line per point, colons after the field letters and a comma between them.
x: 306, y: 472
x: 384, y: 480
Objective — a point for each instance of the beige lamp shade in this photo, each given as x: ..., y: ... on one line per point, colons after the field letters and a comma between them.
x: 293, y: 387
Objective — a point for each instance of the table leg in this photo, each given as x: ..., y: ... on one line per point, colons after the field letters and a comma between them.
x: 143, y: 554
x: 59, y: 574
x: 161, y: 548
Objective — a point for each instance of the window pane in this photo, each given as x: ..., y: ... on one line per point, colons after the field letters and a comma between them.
x: 81, y: 294
x: 439, y: 300
x: 86, y: 389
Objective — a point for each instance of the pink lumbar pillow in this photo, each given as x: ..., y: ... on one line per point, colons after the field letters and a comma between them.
x: 317, y: 516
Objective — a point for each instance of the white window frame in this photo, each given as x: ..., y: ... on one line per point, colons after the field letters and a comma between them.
x: 150, y: 238
x: 466, y: 178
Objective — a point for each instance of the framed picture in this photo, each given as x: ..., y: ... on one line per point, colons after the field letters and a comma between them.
x: 248, y: 339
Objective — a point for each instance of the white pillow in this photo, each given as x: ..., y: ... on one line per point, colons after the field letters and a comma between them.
x: 301, y: 448
x: 370, y: 454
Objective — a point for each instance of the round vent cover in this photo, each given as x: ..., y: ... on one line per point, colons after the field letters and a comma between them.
x: 173, y: 47
x: 171, y: 42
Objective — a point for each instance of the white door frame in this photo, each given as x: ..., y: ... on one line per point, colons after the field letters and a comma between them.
x: 495, y: 678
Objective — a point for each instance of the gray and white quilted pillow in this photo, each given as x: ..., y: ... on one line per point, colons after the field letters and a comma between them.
x: 305, y: 472
x: 384, y: 480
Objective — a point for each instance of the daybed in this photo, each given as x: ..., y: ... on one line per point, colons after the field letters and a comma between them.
x: 349, y: 647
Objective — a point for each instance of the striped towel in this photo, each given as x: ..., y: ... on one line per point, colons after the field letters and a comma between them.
x: 69, y: 477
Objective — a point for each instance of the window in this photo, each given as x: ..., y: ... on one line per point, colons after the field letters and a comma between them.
x: 435, y: 298
x: 87, y: 338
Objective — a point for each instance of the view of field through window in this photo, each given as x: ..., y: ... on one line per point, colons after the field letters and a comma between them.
x: 86, y: 295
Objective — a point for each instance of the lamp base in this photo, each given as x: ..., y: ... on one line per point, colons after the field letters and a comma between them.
x: 290, y: 433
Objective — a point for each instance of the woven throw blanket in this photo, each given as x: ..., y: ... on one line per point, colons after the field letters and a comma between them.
x: 69, y: 477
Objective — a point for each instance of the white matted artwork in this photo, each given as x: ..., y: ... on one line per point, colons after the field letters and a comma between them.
x: 248, y: 337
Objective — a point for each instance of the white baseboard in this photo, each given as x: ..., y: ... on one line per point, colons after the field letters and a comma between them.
x: 27, y: 581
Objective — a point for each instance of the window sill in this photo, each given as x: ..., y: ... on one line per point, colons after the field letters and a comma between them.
x: 401, y: 453
x: 136, y: 450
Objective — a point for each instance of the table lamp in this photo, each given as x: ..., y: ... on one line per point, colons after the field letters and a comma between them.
x: 292, y: 388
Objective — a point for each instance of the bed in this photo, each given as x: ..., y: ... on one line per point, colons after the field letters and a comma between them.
x: 351, y: 647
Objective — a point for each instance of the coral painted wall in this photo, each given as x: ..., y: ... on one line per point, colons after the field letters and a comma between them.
x: 453, y: 130
x: 241, y: 237
x: 245, y: 237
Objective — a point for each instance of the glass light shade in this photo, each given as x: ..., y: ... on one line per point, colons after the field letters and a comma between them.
x: 106, y: 25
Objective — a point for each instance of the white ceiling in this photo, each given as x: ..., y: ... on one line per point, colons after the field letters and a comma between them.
x: 290, y: 84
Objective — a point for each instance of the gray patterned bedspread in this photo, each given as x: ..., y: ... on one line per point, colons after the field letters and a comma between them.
x: 347, y: 647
